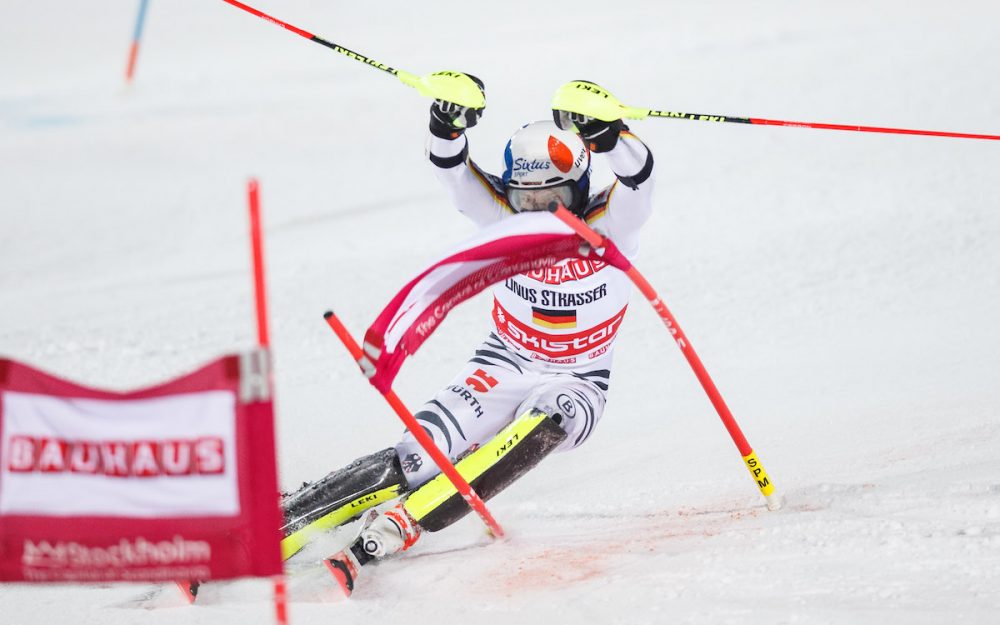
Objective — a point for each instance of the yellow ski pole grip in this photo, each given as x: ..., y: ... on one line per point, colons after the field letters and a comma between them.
x: 586, y: 98
x: 456, y: 87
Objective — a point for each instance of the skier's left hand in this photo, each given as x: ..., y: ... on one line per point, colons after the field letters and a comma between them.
x: 599, y: 135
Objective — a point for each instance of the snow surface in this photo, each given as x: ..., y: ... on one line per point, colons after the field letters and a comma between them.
x: 842, y: 289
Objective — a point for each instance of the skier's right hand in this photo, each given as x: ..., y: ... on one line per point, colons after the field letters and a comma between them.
x: 449, y: 120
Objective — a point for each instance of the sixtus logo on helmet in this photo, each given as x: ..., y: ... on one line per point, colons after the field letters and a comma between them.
x: 523, y: 167
x: 545, y: 165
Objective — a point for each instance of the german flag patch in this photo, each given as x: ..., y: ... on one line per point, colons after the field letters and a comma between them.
x: 558, y: 319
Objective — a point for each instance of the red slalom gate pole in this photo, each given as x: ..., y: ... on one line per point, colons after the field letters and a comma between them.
x: 256, y: 238
x: 280, y: 600
x: 750, y: 458
x: 462, y: 486
x: 133, y: 51
x: 264, y: 340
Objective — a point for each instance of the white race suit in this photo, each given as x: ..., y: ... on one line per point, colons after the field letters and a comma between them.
x: 554, y: 329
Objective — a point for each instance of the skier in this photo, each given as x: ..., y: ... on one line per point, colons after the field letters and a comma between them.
x: 522, y: 382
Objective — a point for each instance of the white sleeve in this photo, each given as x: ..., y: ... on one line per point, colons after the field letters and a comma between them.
x: 625, y: 207
x: 475, y: 193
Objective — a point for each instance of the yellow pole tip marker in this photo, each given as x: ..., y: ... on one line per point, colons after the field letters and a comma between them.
x: 764, y: 483
x: 586, y: 98
x: 448, y: 86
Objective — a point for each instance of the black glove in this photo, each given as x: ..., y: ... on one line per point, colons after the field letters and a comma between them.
x: 449, y: 120
x: 599, y: 135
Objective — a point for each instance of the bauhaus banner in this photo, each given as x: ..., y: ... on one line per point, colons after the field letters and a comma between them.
x: 172, y: 482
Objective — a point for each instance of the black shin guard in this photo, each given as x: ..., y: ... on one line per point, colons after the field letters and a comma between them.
x: 493, y: 467
x: 340, y: 497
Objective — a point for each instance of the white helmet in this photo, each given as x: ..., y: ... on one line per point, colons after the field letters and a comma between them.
x: 545, y: 164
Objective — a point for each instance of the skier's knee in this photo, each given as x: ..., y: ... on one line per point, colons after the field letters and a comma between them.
x: 443, y: 420
x: 572, y: 410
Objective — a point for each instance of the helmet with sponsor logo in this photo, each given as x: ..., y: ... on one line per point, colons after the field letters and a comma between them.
x: 545, y: 164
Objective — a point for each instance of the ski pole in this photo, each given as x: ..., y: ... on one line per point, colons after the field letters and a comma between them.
x: 587, y: 98
x: 451, y: 86
x: 462, y: 486
x: 750, y: 458
x: 821, y: 126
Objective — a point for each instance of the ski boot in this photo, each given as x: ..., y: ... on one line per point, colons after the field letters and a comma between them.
x: 382, y: 535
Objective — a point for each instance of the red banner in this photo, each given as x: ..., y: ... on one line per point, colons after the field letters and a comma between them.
x: 521, y: 244
x: 177, y: 481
